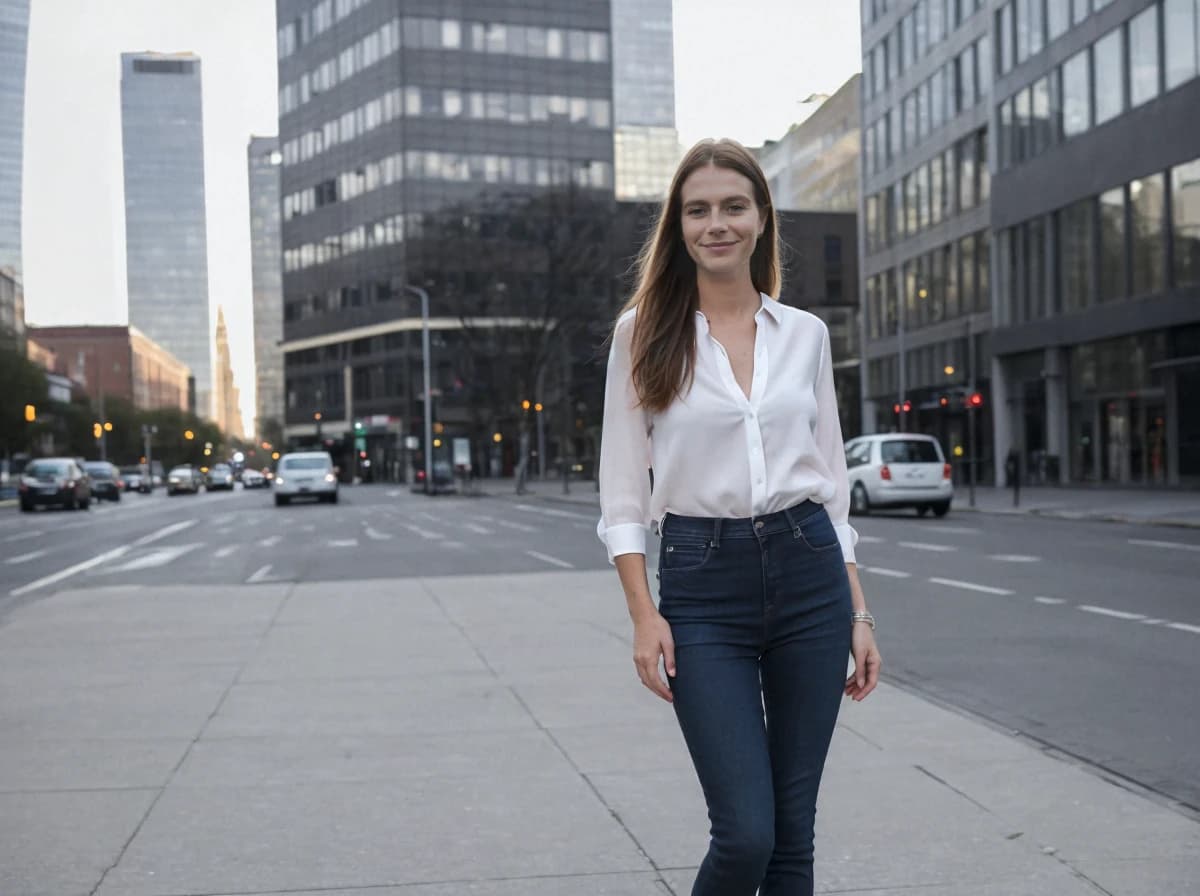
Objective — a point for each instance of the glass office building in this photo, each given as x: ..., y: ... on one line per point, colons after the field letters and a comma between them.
x: 14, y: 39
x: 647, y: 145
x: 165, y: 239
x: 1029, y: 222
x: 466, y: 152
x: 264, y: 159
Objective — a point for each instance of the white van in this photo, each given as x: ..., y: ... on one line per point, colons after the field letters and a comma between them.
x: 898, y: 469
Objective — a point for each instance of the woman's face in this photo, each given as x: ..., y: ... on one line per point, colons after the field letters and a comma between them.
x: 720, y: 220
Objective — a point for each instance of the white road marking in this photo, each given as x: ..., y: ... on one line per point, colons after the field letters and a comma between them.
x: 452, y: 544
x: 1173, y: 545
x: 1115, y: 614
x: 970, y: 586
x: 259, y: 574
x: 394, y: 493
x: 165, y: 532
x: 925, y: 546
x: 546, y: 558
x: 891, y: 573
x: 375, y: 534
x: 1053, y: 601
x: 270, y: 541
x: 520, y: 526
x: 478, y: 530
x: 24, y: 535
x: 224, y: 552
x: 310, y: 528
x: 1016, y: 558
x: 1153, y: 621
x: 70, y: 571
x: 156, y: 558
x: 551, y: 511
x: 424, y: 533
x: 953, y: 530
x: 871, y: 539
x: 1184, y: 627
x: 344, y: 543
x: 24, y: 558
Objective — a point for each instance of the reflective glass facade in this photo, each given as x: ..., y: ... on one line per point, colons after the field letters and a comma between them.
x: 14, y: 38
x: 165, y: 239
x: 266, y: 260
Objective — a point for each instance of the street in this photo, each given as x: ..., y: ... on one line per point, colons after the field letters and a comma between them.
x: 1079, y: 635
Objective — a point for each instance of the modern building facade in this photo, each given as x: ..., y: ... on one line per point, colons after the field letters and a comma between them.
x: 643, y: 61
x: 14, y: 41
x: 165, y: 238
x: 814, y: 166
x: 465, y: 151
x: 119, y: 362
x: 227, y: 398
x: 266, y: 269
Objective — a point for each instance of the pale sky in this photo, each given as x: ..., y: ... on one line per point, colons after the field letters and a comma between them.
x: 740, y: 72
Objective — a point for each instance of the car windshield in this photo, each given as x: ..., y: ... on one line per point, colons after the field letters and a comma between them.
x: 909, y: 451
x: 99, y: 471
x: 131, y: 471
x: 304, y: 463
x: 43, y: 468
x: 221, y: 468
x: 182, y: 471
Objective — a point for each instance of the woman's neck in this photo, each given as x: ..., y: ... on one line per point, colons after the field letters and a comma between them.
x: 722, y: 298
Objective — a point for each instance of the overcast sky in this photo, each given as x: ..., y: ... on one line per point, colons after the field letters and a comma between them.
x: 739, y: 72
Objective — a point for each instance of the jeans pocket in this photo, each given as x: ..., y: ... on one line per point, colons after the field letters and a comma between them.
x: 684, y: 556
x: 817, y: 533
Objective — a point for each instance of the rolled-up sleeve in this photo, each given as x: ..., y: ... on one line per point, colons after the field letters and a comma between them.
x: 829, y: 443
x: 624, y: 454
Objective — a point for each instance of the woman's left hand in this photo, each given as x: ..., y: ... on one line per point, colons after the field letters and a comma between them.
x: 867, y: 662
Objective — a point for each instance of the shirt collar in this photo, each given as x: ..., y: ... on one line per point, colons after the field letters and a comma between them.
x: 769, y: 305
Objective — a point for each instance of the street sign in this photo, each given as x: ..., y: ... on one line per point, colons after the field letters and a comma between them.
x: 412, y: 443
x: 462, y: 453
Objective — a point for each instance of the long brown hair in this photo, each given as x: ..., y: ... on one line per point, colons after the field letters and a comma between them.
x: 667, y: 295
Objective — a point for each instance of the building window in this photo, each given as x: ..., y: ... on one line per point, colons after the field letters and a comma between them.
x: 966, y: 261
x: 966, y: 79
x: 1109, y: 62
x: 983, y: 256
x: 1143, y: 56
x: 1112, y: 245
x: 1004, y: 43
x: 1058, y: 18
x: 1075, y: 249
x: 1146, y: 214
x: 1181, y: 28
x: 1185, y: 222
x: 833, y: 268
x: 1076, y: 104
x: 1079, y: 11
x: 1035, y: 268
x: 1041, y: 132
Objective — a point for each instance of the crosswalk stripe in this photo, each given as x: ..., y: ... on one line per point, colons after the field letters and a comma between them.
x: 25, y: 558
x: 971, y: 586
x: 156, y: 558
x: 553, y: 561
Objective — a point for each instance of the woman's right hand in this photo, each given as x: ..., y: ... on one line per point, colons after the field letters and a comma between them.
x: 652, y: 640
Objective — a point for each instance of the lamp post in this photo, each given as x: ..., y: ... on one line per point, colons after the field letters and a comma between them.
x: 424, y: 296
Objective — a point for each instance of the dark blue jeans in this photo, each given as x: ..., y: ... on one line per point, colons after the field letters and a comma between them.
x: 760, y: 612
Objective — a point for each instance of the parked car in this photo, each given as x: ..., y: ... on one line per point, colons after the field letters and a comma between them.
x: 136, y: 479
x: 443, y: 478
x: 184, y: 478
x: 220, y: 477
x: 898, y: 470
x: 253, y: 479
x: 106, y: 480
x: 54, y: 481
x: 305, y: 473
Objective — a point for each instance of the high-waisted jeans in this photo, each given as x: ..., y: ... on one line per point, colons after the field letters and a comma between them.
x: 760, y: 612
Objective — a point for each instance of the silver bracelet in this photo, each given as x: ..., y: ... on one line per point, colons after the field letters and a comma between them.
x: 862, y: 616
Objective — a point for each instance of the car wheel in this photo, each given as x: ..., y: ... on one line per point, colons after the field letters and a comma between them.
x: 71, y: 504
x: 117, y: 498
x: 333, y: 499
x: 941, y: 508
x: 860, y: 503
x: 923, y: 510
x: 85, y: 504
x: 280, y: 500
x: 26, y: 507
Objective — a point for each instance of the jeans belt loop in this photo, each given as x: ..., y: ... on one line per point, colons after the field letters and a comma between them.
x: 787, y: 511
x: 716, y: 539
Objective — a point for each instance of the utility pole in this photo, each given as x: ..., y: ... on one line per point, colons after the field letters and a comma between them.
x: 901, y: 360
x: 424, y: 297
x: 971, y: 413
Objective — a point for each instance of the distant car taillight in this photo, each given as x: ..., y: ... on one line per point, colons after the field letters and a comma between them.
x: 420, y: 475
x: 885, y: 474
x: 945, y: 471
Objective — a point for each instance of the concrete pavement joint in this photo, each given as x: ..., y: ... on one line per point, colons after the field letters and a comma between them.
x: 283, y: 602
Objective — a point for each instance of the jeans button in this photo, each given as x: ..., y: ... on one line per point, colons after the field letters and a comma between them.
x: 758, y: 525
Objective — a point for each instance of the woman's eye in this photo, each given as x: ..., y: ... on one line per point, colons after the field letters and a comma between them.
x: 737, y: 207
x: 695, y: 212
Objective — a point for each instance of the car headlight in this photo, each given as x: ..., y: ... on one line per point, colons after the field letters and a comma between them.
x: 329, y: 477
x: 279, y: 480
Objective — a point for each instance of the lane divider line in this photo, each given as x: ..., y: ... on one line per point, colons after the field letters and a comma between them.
x: 553, y: 561
x: 1115, y: 614
x: 971, y: 586
x: 25, y: 558
x: 925, y: 546
x: 70, y: 571
x: 1170, y: 545
x: 164, y: 532
x: 891, y: 573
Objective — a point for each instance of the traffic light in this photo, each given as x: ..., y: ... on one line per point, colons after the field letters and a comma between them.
x: 30, y: 413
x: 358, y: 426
x: 975, y: 401
x: 944, y: 401
x: 907, y: 405
x: 97, y: 430
x: 896, y: 408
x: 525, y: 404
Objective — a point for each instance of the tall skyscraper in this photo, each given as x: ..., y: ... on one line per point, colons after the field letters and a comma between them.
x: 14, y: 39
x: 647, y: 144
x: 468, y: 154
x: 264, y: 159
x: 228, y: 397
x: 165, y: 240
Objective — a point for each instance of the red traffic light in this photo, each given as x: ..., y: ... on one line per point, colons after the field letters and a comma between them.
x: 895, y: 409
x: 976, y: 400
x: 907, y: 406
x: 363, y: 455
x: 943, y: 401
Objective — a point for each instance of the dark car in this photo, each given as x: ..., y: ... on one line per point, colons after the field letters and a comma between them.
x: 443, y: 478
x: 136, y: 479
x: 184, y: 478
x: 106, y: 480
x: 54, y: 482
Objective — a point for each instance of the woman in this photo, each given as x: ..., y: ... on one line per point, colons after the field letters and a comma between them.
x: 727, y: 397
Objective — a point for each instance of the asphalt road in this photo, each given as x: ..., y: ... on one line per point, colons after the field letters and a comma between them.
x: 1083, y: 636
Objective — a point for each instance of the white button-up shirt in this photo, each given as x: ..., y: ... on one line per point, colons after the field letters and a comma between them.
x: 717, y: 453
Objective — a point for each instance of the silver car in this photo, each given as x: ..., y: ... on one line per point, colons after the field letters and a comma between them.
x: 305, y: 474
x: 898, y: 470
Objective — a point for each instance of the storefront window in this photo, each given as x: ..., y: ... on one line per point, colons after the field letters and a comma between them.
x: 1109, y: 62
x: 1185, y: 222
x: 1149, y: 253
x: 1075, y: 103
x: 1143, y: 56
x: 1181, y: 30
x: 1112, y: 245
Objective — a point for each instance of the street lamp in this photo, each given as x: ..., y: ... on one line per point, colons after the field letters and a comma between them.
x: 424, y: 296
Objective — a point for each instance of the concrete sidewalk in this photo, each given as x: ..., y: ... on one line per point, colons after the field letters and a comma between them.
x: 482, y: 735
x: 1178, y: 507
